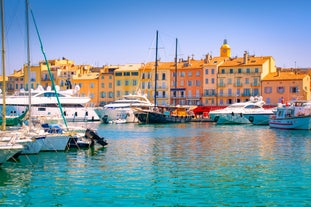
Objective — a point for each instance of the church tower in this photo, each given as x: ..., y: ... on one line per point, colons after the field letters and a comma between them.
x: 225, y: 50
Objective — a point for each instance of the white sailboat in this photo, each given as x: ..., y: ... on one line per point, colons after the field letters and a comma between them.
x: 7, y: 149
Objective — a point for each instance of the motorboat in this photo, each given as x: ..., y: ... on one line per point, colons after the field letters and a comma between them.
x: 122, y: 109
x: 45, y: 104
x: 243, y: 113
x: 296, y: 115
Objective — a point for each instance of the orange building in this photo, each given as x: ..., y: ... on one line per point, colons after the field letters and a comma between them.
x: 284, y: 87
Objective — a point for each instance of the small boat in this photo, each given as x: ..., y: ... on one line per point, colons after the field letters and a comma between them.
x: 297, y: 115
x: 243, y: 113
x: 164, y: 114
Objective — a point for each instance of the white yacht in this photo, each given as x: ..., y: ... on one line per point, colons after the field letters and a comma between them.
x: 44, y: 104
x: 243, y: 113
x: 122, y: 109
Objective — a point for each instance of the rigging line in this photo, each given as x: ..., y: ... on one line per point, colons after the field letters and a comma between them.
x: 48, y: 67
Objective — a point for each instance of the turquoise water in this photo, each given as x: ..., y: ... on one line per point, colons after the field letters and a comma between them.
x: 193, y: 164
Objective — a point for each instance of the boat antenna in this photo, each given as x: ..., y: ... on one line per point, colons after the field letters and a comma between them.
x: 175, y: 71
x: 3, y: 70
x: 28, y: 64
x: 156, y: 68
x: 49, y: 70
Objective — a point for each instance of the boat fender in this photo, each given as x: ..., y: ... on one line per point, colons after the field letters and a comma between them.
x: 232, y: 113
x: 241, y: 114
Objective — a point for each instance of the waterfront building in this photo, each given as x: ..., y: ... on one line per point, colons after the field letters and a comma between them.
x: 240, y: 77
x: 189, y: 89
x: 106, y: 84
x: 15, y: 81
x: 210, y: 72
x: 284, y: 87
x: 88, y: 83
x: 162, y: 88
x: 126, y: 79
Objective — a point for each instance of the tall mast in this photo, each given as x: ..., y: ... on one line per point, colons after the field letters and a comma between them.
x: 28, y: 62
x: 156, y: 71
x: 3, y: 70
x: 175, y: 71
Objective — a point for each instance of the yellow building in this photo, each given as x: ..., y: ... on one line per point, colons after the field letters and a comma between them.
x: 88, y: 83
x: 287, y: 86
x: 126, y: 79
x: 15, y: 81
x: 240, y: 77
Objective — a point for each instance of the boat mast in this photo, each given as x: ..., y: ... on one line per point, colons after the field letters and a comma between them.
x: 156, y: 72
x: 28, y: 63
x: 3, y: 70
x: 175, y: 71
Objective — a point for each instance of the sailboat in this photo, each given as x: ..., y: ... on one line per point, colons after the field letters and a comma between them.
x: 7, y: 149
x: 162, y: 114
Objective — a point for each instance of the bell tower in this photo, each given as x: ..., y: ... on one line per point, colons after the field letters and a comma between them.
x: 225, y: 50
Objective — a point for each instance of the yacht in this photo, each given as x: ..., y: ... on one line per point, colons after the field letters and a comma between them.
x: 243, y: 113
x: 45, y: 105
x: 122, y: 109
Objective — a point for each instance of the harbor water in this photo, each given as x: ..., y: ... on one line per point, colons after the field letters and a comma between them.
x: 191, y: 164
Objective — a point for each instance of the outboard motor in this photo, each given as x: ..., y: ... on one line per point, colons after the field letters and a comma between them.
x: 91, y: 134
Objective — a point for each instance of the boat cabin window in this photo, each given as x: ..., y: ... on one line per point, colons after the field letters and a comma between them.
x: 50, y: 94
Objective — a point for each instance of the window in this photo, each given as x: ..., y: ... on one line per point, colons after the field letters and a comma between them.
x: 182, y: 74
x: 182, y: 83
x: 240, y: 70
x: 92, y: 85
x: 280, y: 89
x: 110, y: 85
x: 248, y: 70
x: 256, y: 70
x: 206, y: 81
x: 268, y: 90
x: 229, y: 80
x: 231, y: 70
x: 213, y: 71
x: 294, y: 89
x: 103, y: 77
x: 246, y: 80
x: 198, y: 83
x: 127, y: 73
x: 118, y: 83
x: 134, y: 73
x: 223, y: 71
x: 134, y: 82
x: 103, y: 85
x: 163, y: 76
x: 197, y: 73
x: 127, y: 82
x: 206, y: 71
x: 213, y: 80
x: 103, y: 94
x: 110, y: 94
x: 189, y: 83
x: 255, y: 92
x: 118, y: 73
x: 230, y: 92
x: 189, y: 74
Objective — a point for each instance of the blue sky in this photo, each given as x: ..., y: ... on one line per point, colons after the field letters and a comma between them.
x: 107, y: 32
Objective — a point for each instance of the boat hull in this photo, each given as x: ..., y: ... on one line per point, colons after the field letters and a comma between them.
x: 149, y: 117
x: 9, y: 150
x: 258, y: 119
x: 231, y: 118
x: 55, y: 142
x: 302, y: 122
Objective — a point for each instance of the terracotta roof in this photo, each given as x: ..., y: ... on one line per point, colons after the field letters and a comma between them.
x: 239, y: 61
x: 283, y: 76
